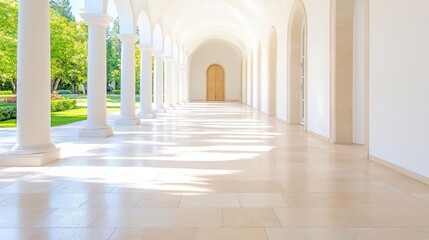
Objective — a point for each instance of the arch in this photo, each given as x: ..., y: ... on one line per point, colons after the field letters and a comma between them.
x: 215, y: 77
x: 297, y: 62
x: 272, y: 73
x: 168, y: 50
x: 342, y: 13
x: 157, y: 39
x: 126, y: 16
x: 144, y: 27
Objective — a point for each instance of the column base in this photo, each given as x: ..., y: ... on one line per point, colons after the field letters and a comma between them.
x: 171, y: 107
x: 127, y: 122
x: 14, y: 159
x: 96, y: 133
x: 146, y: 115
x: 159, y: 110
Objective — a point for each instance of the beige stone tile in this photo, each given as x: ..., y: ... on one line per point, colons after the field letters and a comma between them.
x: 308, y: 234
x: 337, y: 186
x: 16, y: 233
x: 262, y: 200
x: 230, y: 234
x: 422, y: 196
x: 110, y: 200
x: 379, y: 200
x: 46, y: 200
x: 4, y: 196
x: 306, y: 200
x: 191, y: 186
x: 28, y: 187
x: 139, y: 187
x: 250, y: 187
x: 399, y: 217
x: 422, y: 232
x: 22, y: 217
x: 383, y: 233
x: 83, y: 187
x: 159, y: 217
x: 169, y: 234
x: 71, y: 218
x: 210, y: 200
x: 249, y: 218
x: 128, y: 234
x: 159, y: 200
x: 323, y: 218
x: 72, y: 233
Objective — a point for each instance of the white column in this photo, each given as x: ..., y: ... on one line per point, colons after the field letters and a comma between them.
x: 96, y: 126
x: 176, y: 84
x: 146, y: 88
x: 186, y: 85
x: 128, y: 81
x: 182, y: 84
x: 34, y: 147
x: 159, y: 82
x: 169, y: 83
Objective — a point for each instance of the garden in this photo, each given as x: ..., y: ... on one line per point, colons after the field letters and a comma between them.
x: 65, y: 109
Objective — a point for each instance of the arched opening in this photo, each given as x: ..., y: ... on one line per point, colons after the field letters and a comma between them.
x: 144, y: 29
x: 342, y: 61
x: 297, y: 69
x: 215, y: 83
x: 272, y: 74
x: 259, y: 77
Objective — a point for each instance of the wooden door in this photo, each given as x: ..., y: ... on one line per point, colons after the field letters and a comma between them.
x: 215, y: 83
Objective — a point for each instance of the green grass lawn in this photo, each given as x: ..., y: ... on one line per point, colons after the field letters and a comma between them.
x: 62, y: 118
x: 111, y: 98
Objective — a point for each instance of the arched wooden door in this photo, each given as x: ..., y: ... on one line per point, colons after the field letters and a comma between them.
x: 215, y: 83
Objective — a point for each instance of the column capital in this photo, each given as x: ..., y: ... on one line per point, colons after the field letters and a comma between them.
x: 145, y: 47
x: 158, y: 54
x: 96, y: 19
x: 131, y: 38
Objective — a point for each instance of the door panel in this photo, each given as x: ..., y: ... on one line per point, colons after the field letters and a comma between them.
x: 215, y: 83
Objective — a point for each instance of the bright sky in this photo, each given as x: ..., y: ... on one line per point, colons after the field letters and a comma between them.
x: 79, y: 5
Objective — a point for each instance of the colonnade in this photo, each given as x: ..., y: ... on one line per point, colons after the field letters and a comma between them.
x: 34, y: 146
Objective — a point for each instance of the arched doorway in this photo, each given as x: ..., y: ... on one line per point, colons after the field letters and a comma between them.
x: 215, y: 83
x: 272, y: 74
x: 297, y: 67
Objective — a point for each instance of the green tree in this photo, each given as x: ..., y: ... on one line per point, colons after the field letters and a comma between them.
x: 114, y: 55
x: 63, y: 8
x: 69, y: 52
x: 8, y: 43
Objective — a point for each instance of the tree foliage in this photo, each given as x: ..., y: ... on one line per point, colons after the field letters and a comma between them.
x: 68, y: 52
x: 8, y: 43
x: 63, y: 8
x: 68, y: 46
x: 113, y: 56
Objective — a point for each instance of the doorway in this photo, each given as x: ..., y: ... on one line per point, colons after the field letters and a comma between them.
x: 215, y: 83
x: 297, y: 66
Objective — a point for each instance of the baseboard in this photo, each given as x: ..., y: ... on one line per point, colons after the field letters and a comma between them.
x: 402, y: 170
x: 314, y: 134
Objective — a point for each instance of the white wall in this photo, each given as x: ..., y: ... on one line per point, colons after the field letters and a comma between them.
x: 399, y: 83
x: 215, y: 53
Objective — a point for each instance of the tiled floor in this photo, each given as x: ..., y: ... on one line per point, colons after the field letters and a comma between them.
x: 209, y: 171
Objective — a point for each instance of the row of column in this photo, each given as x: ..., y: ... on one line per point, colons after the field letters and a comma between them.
x: 165, y: 96
x: 34, y: 146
